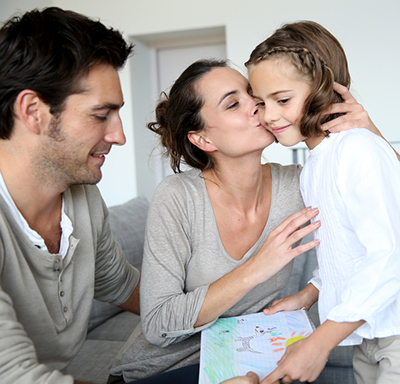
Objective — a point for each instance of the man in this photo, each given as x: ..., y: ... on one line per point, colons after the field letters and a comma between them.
x: 60, y: 97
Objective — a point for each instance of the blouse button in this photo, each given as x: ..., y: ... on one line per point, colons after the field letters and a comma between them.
x: 65, y: 309
x: 62, y: 293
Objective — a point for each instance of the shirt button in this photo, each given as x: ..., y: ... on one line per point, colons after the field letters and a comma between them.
x: 65, y: 309
x: 57, y: 260
x: 164, y: 335
x: 62, y: 293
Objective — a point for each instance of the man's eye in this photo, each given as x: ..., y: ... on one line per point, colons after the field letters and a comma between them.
x: 101, y: 118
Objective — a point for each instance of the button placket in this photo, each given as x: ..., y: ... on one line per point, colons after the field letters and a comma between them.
x: 57, y: 264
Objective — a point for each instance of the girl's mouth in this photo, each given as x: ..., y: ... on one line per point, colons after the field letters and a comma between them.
x: 277, y: 131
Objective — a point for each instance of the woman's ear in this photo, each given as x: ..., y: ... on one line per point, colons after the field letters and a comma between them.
x: 31, y: 110
x: 201, y: 142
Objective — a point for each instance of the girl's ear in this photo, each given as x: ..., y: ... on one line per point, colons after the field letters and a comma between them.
x: 31, y: 110
x: 201, y: 142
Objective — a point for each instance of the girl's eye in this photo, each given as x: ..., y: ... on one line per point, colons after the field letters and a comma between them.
x: 260, y: 104
x: 283, y: 101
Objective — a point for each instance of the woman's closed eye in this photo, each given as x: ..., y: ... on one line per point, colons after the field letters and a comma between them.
x: 233, y: 105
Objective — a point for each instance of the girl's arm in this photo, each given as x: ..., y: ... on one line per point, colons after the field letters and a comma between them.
x: 355, y: 115
x: 303, y: 299
x: 305, y: 359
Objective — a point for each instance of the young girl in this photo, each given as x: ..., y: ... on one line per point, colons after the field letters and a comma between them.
x: 354, y: 179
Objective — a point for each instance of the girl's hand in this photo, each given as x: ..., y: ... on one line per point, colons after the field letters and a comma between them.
x: 303, y: 360
x: 303, y: 299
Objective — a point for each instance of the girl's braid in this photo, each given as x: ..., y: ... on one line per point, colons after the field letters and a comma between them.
x: 305, y: 60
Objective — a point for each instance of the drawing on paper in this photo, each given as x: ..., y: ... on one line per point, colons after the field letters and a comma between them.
x: 233, y: 346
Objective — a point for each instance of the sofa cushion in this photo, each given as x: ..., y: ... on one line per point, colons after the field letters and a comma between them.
x: 118, y: 328
x: 92, y: 363
x: 128, y: 224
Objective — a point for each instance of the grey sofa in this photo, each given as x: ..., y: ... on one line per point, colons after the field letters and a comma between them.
x: 110, y: 327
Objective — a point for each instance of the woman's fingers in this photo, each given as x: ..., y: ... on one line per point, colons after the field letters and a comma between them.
x: 295, y: 221
x: 344, y: 92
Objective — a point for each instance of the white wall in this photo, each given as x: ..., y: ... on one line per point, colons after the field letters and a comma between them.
x: 368, y: 30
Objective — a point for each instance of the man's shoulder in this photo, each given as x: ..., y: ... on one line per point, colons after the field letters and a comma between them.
x: 84, y: 199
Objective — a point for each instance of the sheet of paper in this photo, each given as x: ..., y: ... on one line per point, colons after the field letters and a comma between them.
x: 235, y: 345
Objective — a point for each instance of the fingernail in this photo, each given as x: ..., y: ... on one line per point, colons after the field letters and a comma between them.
x: 315, y: 210
x: 317, y: 223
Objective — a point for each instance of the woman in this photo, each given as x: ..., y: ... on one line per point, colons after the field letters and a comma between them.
x: 220, y: 237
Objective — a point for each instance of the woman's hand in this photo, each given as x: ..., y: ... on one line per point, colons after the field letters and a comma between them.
x: 277, y: 250
x: 273, y: 255
x: 250, y: 378
x: 303, y: 299
x: 355, y: 116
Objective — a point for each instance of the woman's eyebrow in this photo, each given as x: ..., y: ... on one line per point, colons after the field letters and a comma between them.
x: 226, y: 95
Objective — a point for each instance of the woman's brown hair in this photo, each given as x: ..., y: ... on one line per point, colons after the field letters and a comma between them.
x: 178, y: 113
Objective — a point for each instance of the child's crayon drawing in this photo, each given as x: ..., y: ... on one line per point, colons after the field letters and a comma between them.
x: 233, y: 346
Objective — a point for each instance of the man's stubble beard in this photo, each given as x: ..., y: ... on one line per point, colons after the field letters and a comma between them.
x: 57, y: 162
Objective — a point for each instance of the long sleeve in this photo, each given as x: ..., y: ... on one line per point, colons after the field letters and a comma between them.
x: 18, y: 360
x: 45, y: 300
x: 369, y: 183
x: 168, y: 311
x: 353, y: 178
x: 184, y: 254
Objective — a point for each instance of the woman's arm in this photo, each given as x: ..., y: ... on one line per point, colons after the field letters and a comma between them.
x: 355, y: 116
x: 169, y: 312
x: 275, y: 253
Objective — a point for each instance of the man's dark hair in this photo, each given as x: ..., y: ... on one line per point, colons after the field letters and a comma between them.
x: 49, y: 52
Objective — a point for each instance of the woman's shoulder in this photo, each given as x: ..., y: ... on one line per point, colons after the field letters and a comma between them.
x: 183, y: 186
x: 286, y: 187
x: 285, y: 173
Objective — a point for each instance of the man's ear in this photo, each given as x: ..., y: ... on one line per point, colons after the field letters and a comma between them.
x: 31, y: 110
x: 201, y: 142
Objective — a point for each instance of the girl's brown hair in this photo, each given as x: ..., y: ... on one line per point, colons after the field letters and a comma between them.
x: 319, y: 59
